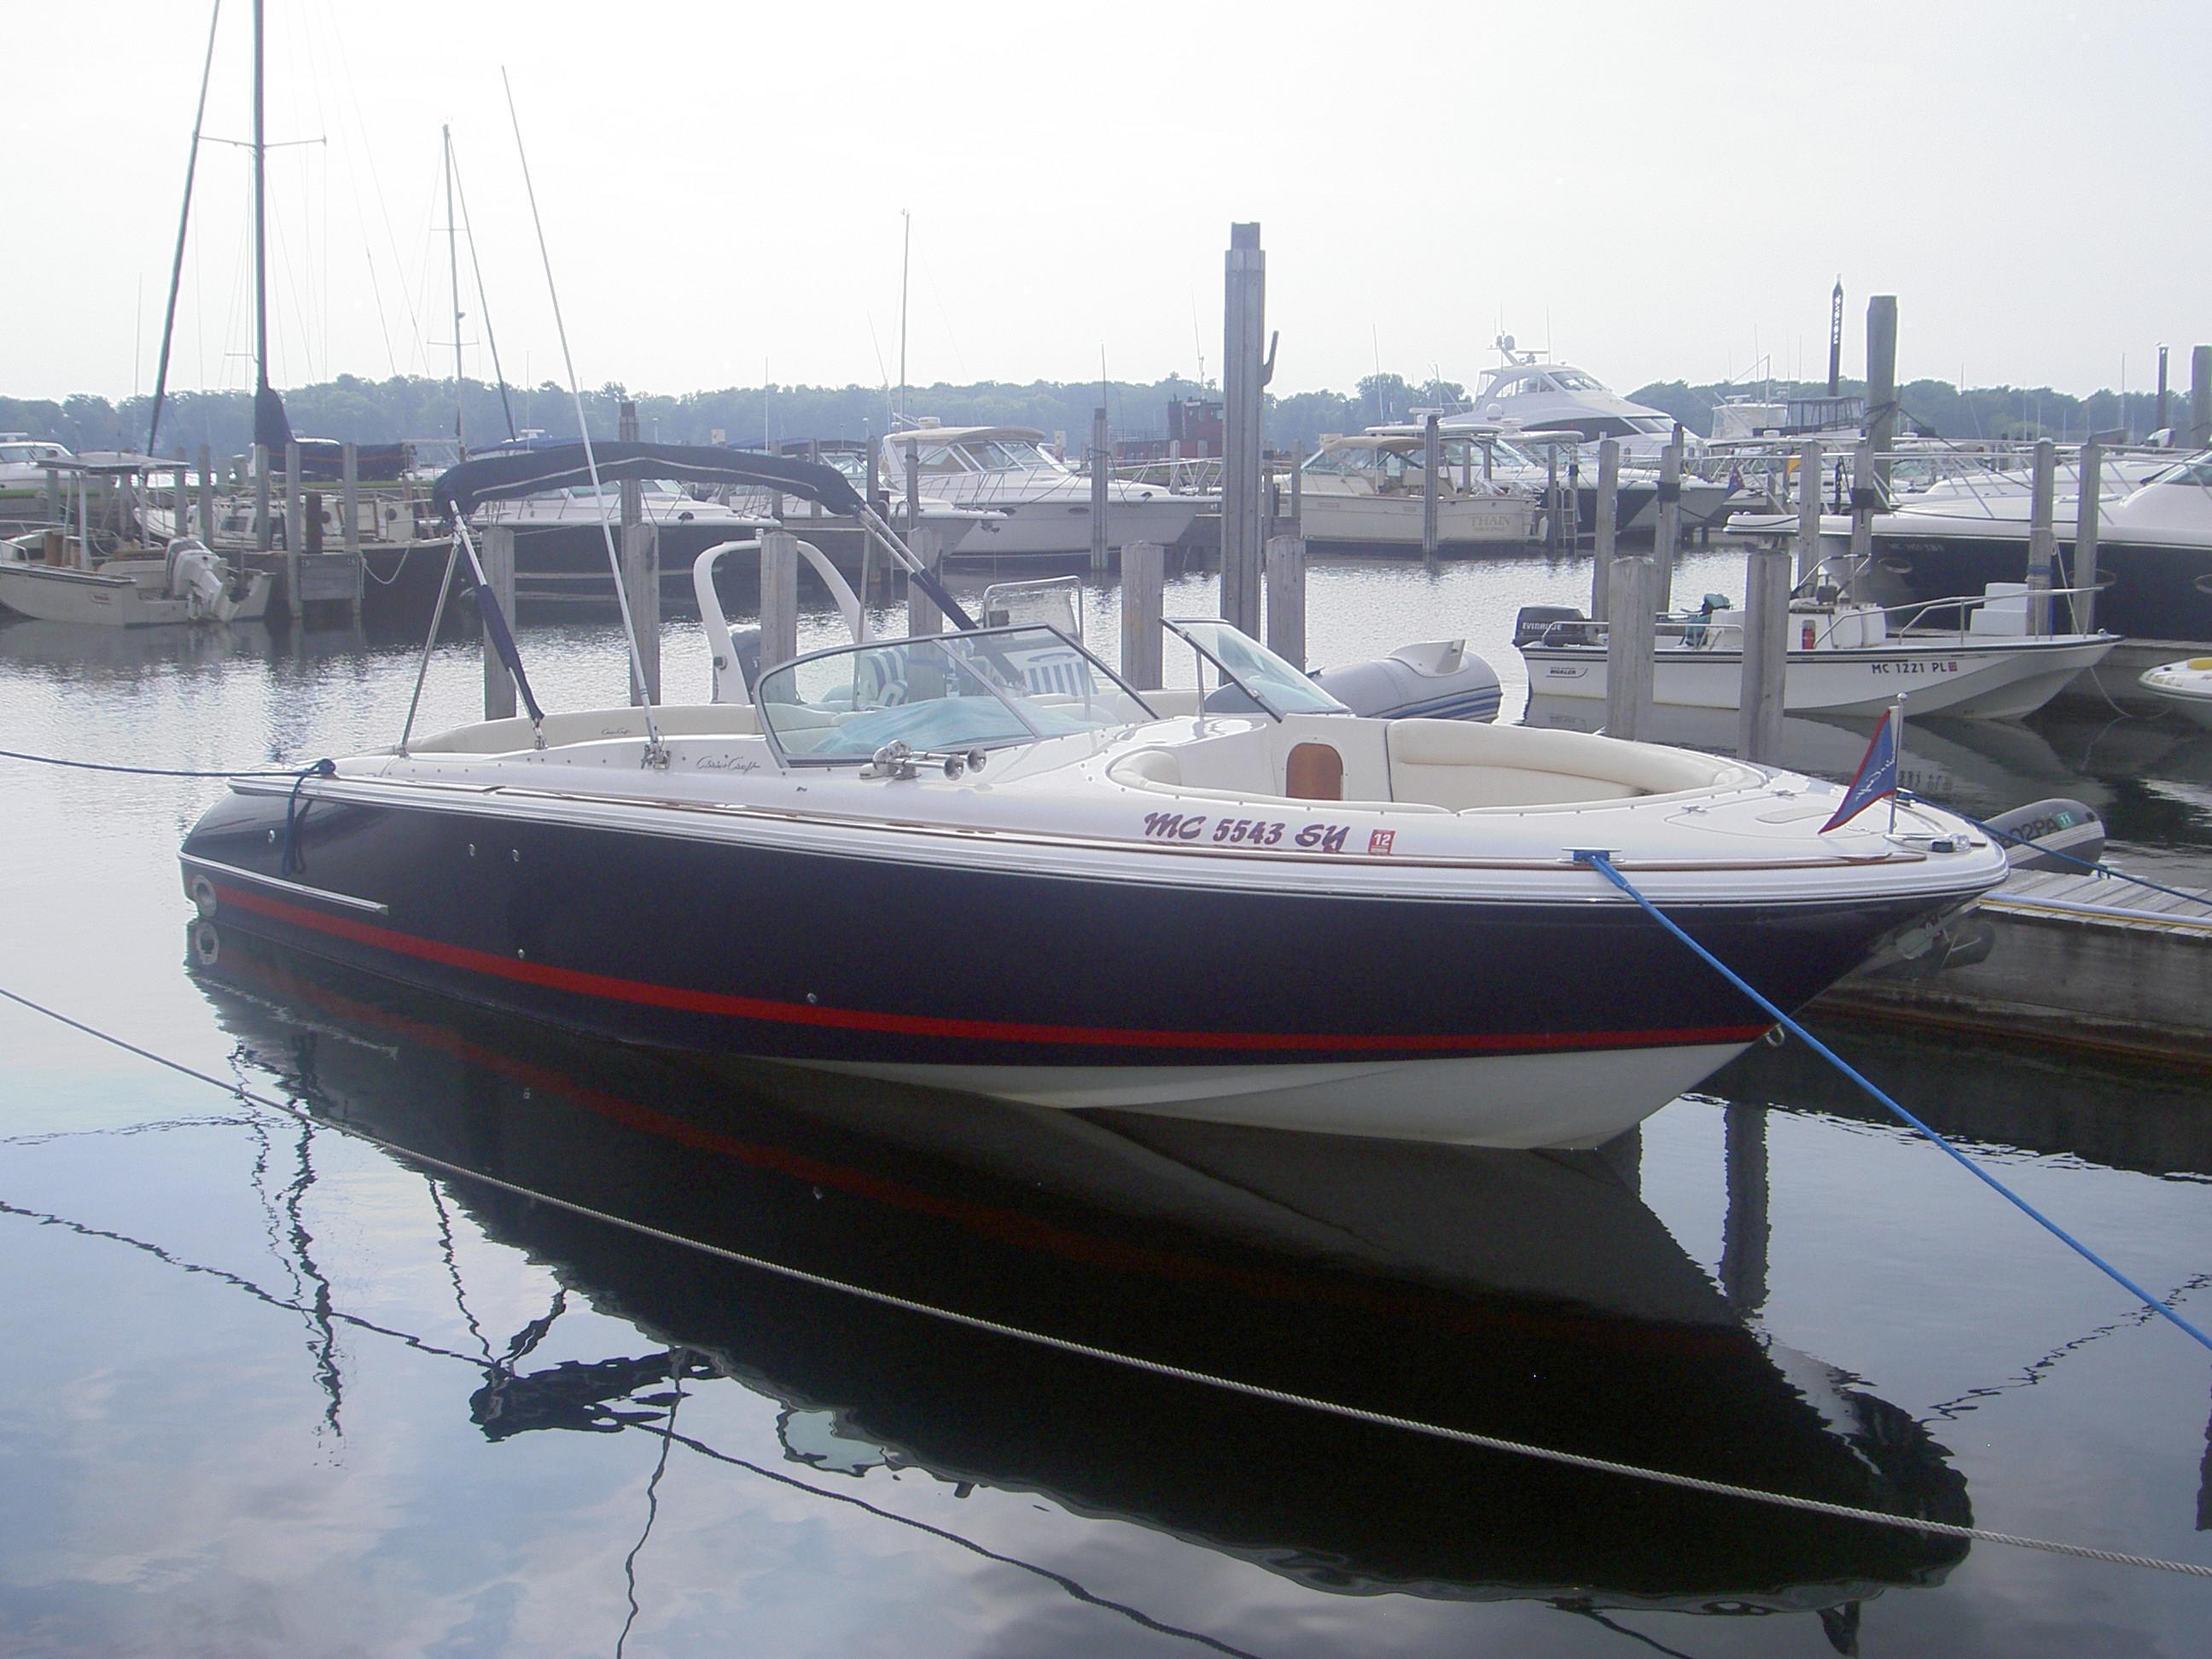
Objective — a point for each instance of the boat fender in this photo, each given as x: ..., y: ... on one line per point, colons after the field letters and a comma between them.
x: 2057, y: 834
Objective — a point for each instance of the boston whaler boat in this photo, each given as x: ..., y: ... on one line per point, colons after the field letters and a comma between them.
x: 1843, y: 657
x: 980, y: 860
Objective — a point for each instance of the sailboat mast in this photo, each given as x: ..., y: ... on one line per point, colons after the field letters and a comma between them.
x: 260, y: 222
x: 453, y: 274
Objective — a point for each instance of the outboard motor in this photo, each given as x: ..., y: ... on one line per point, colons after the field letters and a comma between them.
x: 2050, y: 835
x: 195, y: 576
x: 1439, y: 680
x: 1553, y: 624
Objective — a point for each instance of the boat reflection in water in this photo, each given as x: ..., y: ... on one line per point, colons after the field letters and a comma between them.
x: 1522, y: 1295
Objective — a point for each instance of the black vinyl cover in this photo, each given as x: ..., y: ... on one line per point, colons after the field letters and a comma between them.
x: 462, y: 490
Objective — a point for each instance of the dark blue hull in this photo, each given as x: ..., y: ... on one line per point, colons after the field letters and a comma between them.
x: 2145, y: 591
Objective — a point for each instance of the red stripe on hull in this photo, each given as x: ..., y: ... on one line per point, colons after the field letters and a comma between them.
x: 684, y: 999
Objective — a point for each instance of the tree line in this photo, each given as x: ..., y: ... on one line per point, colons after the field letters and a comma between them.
x: 414, y: 408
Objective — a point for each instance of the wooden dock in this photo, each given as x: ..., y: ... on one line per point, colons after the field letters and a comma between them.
x: 2079, y: 960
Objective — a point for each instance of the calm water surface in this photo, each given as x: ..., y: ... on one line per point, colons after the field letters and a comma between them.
x: 269, y: 1386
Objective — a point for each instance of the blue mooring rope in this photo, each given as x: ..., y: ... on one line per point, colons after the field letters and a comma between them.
x: 318, y: 770
x: 1603, y: 864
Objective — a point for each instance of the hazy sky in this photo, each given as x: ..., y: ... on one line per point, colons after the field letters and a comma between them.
x: 1661, y: 191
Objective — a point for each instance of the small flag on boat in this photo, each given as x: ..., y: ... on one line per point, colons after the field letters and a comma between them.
x: 1877, y: 773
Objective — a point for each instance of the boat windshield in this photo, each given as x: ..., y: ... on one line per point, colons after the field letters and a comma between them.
x: 2196, y: 471
x: 1252, y: 677
x: 942, y: 694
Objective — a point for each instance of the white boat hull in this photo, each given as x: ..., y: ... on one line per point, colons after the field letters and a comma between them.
x: 1507, y: 1101
x: 1060, y: 526
x: 1396, y: 521
x: 95, y: 599
x: 1987, y: 681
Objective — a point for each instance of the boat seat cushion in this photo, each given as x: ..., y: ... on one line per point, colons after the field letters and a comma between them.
x: 1466, y: 766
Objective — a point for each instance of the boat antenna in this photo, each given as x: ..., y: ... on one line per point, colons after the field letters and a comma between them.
x: 905, y: 259
x: 483, y: 305
x: 453, y: 275
x: 184, y: 217
x: 655, y: 753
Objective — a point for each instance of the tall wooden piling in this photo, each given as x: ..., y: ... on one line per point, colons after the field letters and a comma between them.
x: 265, y: 536
x: 349, y: 499
x: 1244, y: 331
x: 1865, y: 495
x: 1667, y: 539
x: 1101, y: 476
x: 2042, y: 537
x: 498, y: 553
x: 1287, y: 598
x: 921, y: 613
x: 1431, y: 464
x: 1881, y: 384
x: 207, y: 495
x: 913, y: 454
x: 1808, y: 509
x: 632, y: 492
x: 1144, y: 568
x: 2200, y: 397
x: 1552, y: 498
x: 1607, y: 525
x: 2087, y: 510
x: 779, y: 598
x: 1765, y: 653
x: 295, y: 519
x: 641, y: 579
x: 1631, y: 605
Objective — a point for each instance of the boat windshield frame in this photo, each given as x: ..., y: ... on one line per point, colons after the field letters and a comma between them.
x: 1311, y: 699
x: 1011, y: 719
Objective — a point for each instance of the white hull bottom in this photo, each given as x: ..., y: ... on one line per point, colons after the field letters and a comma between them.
x: 1060, y: 526
x: 1510, y: 1101
x: 1982, y: 682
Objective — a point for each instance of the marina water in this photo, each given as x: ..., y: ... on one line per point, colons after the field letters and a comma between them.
x: 269, y: 1385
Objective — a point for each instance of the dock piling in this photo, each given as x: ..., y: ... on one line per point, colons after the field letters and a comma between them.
x: 2042, y: 537
x: 922, y: 615
x: 1244, y: 331
x: 499, y: 576
x: 1881, y: 384
x: 1766, y: 651
x: 1865, y: 497
x: 295, y: 524
x: 1432, y: 463
x: 2200, y: 397
x: 1631, y: 604
x: 779, y: 598
x: 641, y: 576
x: 207, y: 495
x: 264, y: 533
x: 1808, y: 509
x: 1144, y: 570
x: 1286, y: 595
x: 2088, y: 508
x: 1101, y: 474
x: 1606, y: 517
x: 1667, y: 540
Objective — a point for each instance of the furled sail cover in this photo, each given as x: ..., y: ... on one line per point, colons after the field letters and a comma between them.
x: 463, y: 488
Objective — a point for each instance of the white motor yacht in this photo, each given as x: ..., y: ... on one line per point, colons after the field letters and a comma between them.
x: 1545, y: 394
x: 24, y: 460
x: 1039, y: 508
x: 1368, y: 490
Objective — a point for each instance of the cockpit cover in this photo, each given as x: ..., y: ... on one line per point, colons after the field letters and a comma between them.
x: 462, y: 490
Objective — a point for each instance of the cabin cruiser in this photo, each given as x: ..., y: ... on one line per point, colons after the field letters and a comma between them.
x: 182, y: 583
x: 981, y: 861
x: 24, y: 460
x: 1538, y: 393
x: 1041, y: 508
x: 1368, y: 490
x: 1845, y: 657
x: 1960, y: 534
